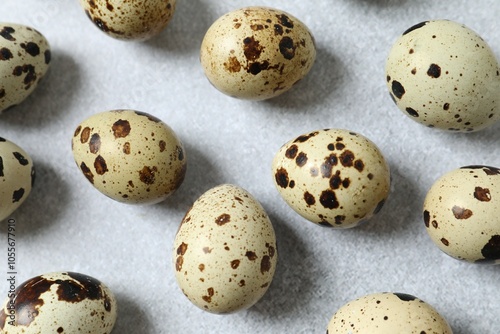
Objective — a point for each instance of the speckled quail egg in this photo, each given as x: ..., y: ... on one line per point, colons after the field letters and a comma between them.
x: 461, y: 214
x: 388, y: 313
x: 17, y: 175
x: 131, y: 19
x: 59, y: 302
x: 24, y: 60
x: 257, y: 53
x: 332, y: 177
x: 444, y: 75
x: 130, y: 156
x: 225, y: 251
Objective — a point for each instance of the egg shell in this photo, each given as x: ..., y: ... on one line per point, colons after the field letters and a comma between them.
x: 257, y: 53
x: 225, y: 251
x: 461, y: 214
x: 130, y: 156
x: 442, y: 74
x: 130, y: 19
x: 388, y: 313
x: 24, y: 59
x: 332, y: 177
x: 59, y: 302
x: 17, y: 175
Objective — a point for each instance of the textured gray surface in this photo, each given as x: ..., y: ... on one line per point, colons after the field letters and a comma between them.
x: 67, y: 225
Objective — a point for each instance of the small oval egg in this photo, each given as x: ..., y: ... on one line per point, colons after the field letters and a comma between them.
x: 257, y: 53
x: 59, y: 302
x: 225, y: 251
x: 444, y: 75
x: 332, y: 177
x: 130, y: 20
x: 385, y: 313
x: 24, y: 59
x: 461, y: 214
x: 17, y: 175
x: 130, y: 156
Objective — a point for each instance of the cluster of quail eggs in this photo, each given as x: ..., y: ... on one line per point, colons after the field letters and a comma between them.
x: 440, y: 73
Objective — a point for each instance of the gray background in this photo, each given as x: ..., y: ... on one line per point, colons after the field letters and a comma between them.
x: 67, y: 225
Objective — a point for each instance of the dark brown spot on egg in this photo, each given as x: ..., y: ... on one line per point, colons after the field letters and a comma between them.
x: 232, y: 65
x: 335, y: 181
x: 347, y: 158
x: 265, y: 264
x: 60, y: 330
x: 95, y: 143
x: 445, y: 242
x: 309, y: 198
x: 397, y: 89
x: 87, y: 172
x: 427, y: 218
x: 404, y: 297
x: 241, y: 283
x: 278, y: 30
x: 359, y: 165
x: 20, y: 158
x: 77, y: 130
x: 379, y: 207
x: 415, y: 27
x: 179, y: 262
x: 490, y: 171
x: 304, y: 138
x: 147, y: 175
x: 235, y: 264
x: 327, y: 166
x: 210, y: 294
x: 482, y: 194
x: 162, y: 145
x: 256, y: 27
x: 281, y: 177
x: 100, y: 165
x: 6, y: 33
x: 2, y: 93
x: 5, y: 54
x: 182, y: 249
x: 252, y: 48
x: 339, y: 219
x: 201, y: 267
x: 491, y: 250
x: 149, y: 117
x: 301, y: 159
x: 84, y: 137
x: 287, y: 47
x: 47, y: 56
x: 81, y: 287
x: 291, y: 152
x: 126, y: 148
x: 461, y: 213
x: 446, y: 106
x: 412, y: 112
x: 329, y: 200
x: 251, y: 255
x: 434, y: 71
x: 121, y: 128
x: 223, y: 219
x: 285, y: 21
x: 17, y: 195
x: 31, y: 48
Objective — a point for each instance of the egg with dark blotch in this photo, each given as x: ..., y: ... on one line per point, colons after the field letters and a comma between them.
x: 225, y: 252
x: 130, y: 20
x: 257, y: 53
x: 130, y: 156
x: 17, y: 176
x: 59, y: 302
x: 444, y: 75
x: 332, y: 177
x: 461, y: 214
x: 24, y: 60
x: 387, y: 313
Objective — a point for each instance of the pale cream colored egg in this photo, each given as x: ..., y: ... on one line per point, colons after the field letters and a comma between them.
x: 130, y: 19
x: 24, y: 59
x: 332, y: 177
x: 225, y: 251
x: 444, y: 75
x: 388, y: 313
x: 130, y: 156
x: 59, y: 302
x: 257, y: 53
x: 17, y: 175
x: 461, y: 214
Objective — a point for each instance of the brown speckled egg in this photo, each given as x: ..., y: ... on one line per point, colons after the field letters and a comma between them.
x: 225, y: 251
x: 388, y: 313
x: 59, y: 302
x: 461, y: 214
x: 130, y: 156
x: 17, y: 175
x: 24, y: 60
x: 444, y: 75
x: 332, y: 177
x: 257, y: 53
x: 130, y: 19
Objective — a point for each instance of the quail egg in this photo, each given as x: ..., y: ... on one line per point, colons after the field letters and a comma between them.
x: 444, y: 75
x: 461, y: 214
x: 59, y: 302
x: 24, y: 59
x: 388, y: 313
x: 17, y: 176
x: 257, y: 53
x: 130, y: 20
x: 130, y: 156
x: 333, y: 177
x: 225, y: 251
